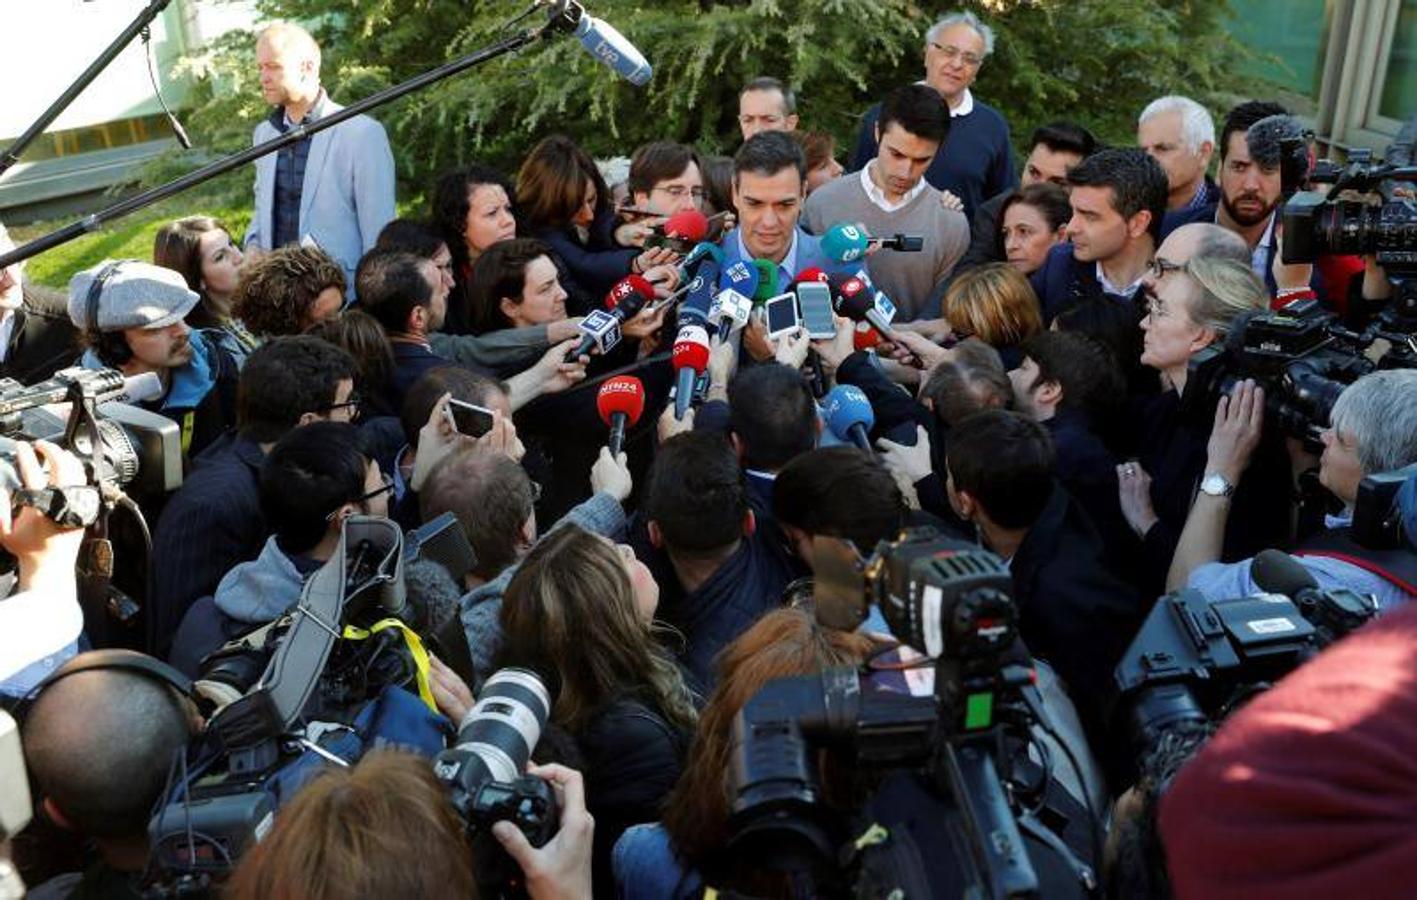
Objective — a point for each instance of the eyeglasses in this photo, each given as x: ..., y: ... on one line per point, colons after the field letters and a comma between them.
x: 678, y: 191
x: 386, y: 489
x: 352, y: 404
x: 1160, y: 267
x: 953, y: 54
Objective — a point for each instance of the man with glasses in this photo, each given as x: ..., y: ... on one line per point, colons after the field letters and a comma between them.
x: 766, y: 104
x: 313, y: 479
x: 665, y: 178
x: 977, y: 161
x: 36, y: 336
x: 214, y: 520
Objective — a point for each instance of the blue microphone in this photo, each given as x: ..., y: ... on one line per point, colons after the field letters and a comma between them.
x: 611, y: 47
x: 703, y: 250
x: 699, y: 296
x: 849, y: 415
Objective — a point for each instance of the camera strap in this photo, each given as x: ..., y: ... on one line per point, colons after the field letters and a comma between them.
x: 415, y: 649
x: 1398, y: 566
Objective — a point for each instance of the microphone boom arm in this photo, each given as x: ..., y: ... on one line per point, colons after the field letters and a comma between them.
x: 564, y: 14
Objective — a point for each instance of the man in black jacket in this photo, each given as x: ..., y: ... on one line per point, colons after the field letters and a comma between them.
x: 1072, y: 612
x: 703, y: 538
x: 36, y: 337
x: 214, y: 521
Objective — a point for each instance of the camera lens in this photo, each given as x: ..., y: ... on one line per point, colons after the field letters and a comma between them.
x: 504, y: 726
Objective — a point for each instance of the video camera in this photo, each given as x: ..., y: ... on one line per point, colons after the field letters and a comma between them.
x: 314, y: 687
x: 1194, y: 660
x: 1318, y: 222
x: 939, y: 786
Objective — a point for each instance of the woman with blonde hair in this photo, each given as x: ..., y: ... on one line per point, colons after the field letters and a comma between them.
x: 1192, y: 307
x: 579, y: 611
x: 995, y: 303
x: 666, y: 860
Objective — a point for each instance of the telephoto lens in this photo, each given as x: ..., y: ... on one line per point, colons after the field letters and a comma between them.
x: 497, y: 735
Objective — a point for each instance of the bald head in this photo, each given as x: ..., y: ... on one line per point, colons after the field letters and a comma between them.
x: 1203, y: 239
x: 289, y: 63
x: 99, y: 745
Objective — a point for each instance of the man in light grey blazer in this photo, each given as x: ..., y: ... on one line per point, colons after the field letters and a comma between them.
x: 336, y: 188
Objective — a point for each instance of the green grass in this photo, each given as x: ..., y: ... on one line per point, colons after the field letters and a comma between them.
x: 130, y: 237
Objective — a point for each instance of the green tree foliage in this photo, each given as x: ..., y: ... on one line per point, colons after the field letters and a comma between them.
x: 1096, y: 61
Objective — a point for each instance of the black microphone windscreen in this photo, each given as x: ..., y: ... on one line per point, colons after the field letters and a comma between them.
x: 1276, y: 572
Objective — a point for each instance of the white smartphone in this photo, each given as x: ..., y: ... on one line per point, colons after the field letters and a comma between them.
x: 815, y: 301
x: 782, y: 315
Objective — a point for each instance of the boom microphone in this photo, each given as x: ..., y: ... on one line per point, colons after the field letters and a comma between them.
x: 689, y: 359
x: 612, y: 48
x: 620, y: 402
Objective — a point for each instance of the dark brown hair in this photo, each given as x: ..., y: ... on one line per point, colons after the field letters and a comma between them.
x: 660, y: 161
x: 570, y: 611
x: 276, y: 294
x: 178, y: 246
x: 384, y: 828
x: 551, y: 184
x: 500, y: 272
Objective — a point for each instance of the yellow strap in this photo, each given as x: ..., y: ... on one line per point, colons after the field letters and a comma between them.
x: 189, y: 420
x: 415, y: 647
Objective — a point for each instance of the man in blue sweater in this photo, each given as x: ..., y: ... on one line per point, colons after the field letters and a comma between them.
x: 976, y: 161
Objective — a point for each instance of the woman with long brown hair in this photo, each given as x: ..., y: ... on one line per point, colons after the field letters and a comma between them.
x: 564, y: 201
x: 200, y: 249
x: 579, y: 611
x: 665, y: 860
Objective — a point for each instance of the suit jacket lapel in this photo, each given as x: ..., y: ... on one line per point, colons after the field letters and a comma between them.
x: 315, y: 163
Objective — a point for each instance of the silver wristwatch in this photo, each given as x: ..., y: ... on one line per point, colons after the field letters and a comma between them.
x: 1217, y: 485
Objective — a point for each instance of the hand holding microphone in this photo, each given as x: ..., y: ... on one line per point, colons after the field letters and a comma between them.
x: 620, y: 402
x: 850, y: 416
x: 601, y: 329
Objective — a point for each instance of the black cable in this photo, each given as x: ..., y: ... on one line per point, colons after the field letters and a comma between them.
x: 177, y: 129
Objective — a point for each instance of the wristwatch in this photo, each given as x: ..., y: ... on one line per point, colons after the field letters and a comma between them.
x: 1217, y: 485
x: 72, y: 507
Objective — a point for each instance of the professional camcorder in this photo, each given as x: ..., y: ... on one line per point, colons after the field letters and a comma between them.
x: 938, y: 802
x: 1302, y: 357
x: 341, y: 673
x: 1194, y: 660
x: 1318, y: 222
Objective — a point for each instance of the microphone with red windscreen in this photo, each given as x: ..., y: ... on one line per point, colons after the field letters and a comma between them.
x: 689, y: 359
x: 681, y: 231
x: 620, y: 402
x: 601, y: 329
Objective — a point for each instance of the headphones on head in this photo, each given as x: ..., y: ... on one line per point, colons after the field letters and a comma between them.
x: 110, y: 346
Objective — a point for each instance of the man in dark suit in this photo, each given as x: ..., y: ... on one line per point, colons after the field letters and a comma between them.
x: 36, y: 337
x: 1073, y: 612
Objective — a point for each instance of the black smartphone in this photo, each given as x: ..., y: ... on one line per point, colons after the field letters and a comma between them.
x: 469, y: 419
x: 815, y: 301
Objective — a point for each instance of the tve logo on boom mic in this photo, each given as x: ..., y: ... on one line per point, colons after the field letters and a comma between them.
x: 606, y: 52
